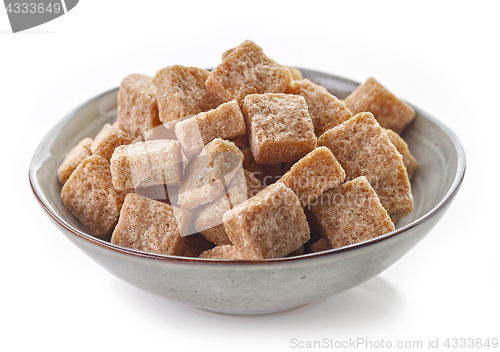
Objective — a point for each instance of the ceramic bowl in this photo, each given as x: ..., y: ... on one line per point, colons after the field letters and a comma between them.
x: 264, y: 286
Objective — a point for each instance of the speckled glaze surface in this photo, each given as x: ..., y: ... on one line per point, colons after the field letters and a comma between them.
x: 256, y: 287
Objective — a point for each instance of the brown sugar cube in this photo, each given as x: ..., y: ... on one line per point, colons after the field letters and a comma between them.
x: 164, y: 131
x: 394, y: 192
x: 159, y: 132
x: 225, y: 159
x: 408, y: 159
x: 209, y: 219
x: 162, y: 193
x: 362, y: 147
x: 206, y: 175
x: 181, y: 92
x: 271, y: 224
x: 351, y: 213
x: 90, y: 196
x: 217, y: 234
x: 319, y: 246
x: 313, y: 174
x: 226, y: 53
x: 279, y: 127
x: 390, y: 111
x: 298, y: 251
x: 137, y: 106
x: 144, y: 164
x: 185, y: 160
x: 73, y: 159
x: 296, y: 74
x: 326, y: 110
x: 198, y: 186
x: 225, y: 122
x: 108, y: 139
x: 247, y: 70
x: 195, y: 244
x: 151, y: 226
x: 222, y: 252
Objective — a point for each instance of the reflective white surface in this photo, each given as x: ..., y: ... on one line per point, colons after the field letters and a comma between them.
x: 446, y: 286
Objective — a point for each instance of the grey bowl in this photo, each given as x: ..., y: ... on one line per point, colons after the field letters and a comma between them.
x: 256, y: 287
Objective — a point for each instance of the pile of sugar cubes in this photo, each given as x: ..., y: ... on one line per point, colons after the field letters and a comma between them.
x: 248, y: 161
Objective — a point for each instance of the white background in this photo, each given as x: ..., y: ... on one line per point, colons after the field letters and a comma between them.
x: 440, y: 56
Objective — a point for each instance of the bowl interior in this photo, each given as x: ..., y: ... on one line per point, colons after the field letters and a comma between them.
x: 440, y: 157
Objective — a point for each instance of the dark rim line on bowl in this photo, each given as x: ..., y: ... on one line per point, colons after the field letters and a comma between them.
x: 447, y: 198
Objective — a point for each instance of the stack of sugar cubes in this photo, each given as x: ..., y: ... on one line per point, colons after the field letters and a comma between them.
x: 248, y: 161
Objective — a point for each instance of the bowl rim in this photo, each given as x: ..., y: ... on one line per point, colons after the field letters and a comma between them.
x: 43, y: 201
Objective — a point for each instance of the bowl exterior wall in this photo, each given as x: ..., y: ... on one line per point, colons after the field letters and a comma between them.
x: 255, y: 288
